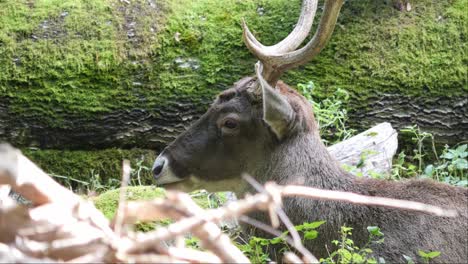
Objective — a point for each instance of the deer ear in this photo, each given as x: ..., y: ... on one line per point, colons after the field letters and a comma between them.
x: 277, y: 112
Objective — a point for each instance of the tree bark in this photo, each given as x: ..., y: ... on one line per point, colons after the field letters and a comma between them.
x: 149, y: 129
x: 446, y: 118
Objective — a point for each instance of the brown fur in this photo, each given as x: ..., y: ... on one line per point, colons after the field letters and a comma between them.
x: 301, y: 158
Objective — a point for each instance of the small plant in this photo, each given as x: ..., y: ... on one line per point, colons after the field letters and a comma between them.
x: 96, y: 184
x: 419, y: 137
x: 455, y: 162
x: 330, y: 114
x: 450, y: 167
x: 309, y: 229
x: 192, y: 242
x: 428, y: 256
x: 136, y: 173
x: 256, y: 249
x: 348, y: 252
x: 402, y: 169
x: 70, y: 182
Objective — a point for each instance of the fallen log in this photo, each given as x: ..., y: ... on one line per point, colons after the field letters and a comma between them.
x: 369, y: 151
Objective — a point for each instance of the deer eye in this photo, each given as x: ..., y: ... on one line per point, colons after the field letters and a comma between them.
x: 230, y: 123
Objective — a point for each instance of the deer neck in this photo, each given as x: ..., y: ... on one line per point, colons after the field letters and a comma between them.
x: 304, y: 160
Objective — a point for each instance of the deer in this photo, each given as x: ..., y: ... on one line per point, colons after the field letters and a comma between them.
x: 262, y: 127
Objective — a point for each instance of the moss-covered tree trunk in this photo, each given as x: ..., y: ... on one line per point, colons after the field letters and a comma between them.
x: 95, y: 74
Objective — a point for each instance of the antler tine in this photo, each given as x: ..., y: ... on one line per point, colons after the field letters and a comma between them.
x: 315, y: 45
x: 295, y: 38
x: 279, y: 58
x: 290, y: 43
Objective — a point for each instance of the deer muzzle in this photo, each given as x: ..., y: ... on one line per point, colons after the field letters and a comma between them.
x: 162, y: 171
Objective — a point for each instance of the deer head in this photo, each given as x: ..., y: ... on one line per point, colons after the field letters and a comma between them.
x: 254, y: 118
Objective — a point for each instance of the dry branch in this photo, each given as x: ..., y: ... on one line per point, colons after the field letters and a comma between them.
x: 354, y: 198
x: 26, y: 178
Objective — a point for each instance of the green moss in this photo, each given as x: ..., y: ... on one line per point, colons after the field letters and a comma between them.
x: 66, y: 59
x: 107, y: 202
x: 209, y: 31
x: 374, y: 48
x: 93, y: 170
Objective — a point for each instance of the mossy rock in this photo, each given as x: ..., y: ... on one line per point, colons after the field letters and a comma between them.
x: 107, y: 202
x: 97, y: 74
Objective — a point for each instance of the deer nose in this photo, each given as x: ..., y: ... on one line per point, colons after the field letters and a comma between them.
x: 158, y: 166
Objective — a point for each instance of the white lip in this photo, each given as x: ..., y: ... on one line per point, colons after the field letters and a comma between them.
x: 167, y: 176
x: 193, y: 183
x: 169, y: 180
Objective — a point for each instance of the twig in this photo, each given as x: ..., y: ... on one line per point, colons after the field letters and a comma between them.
x: 193, y: 255
x: 287, y: 239
x: 149, y: 258
x: 30, y: 181
x: 275, y: 210
x: 314, y: 193
x: 120, y: 210
x: 290, y: 257
x: 209, y: 233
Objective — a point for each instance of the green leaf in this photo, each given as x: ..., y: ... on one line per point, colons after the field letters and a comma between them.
x: 300, y: 227
x: 357, y: 258
x: 345, y: 255
x: 313, y: 225
x: 429, y: 170
x: 349, y: 242
x: 447, y: 155
x: 309, y: 235
x: 463, y: 183
x: 462, y: 149
x: 429, y: 255
x: 433, y: 254
x: 375, y: 231
x: 276, y: 240
x: 461, y: 164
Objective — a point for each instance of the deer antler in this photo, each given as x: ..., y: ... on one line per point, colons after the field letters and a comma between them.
x: 283, y: 56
